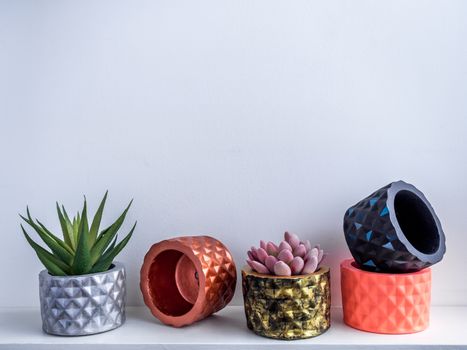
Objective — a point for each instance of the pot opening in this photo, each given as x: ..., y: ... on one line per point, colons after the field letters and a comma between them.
x: 173, y: 282
x: 416, y: 222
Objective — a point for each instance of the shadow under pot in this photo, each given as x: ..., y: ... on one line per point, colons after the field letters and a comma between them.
x: 389, y: 303
x: 84, y: 304
x: 287, y: 307
x: 394, y: 229
x: 186, y: 279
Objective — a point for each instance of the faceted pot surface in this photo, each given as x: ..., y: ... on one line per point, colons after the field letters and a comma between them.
x: 394, y: 229
x: 83, y: 305
x: 389, y: 303
x: 186, y: 279
x: 287, y: 308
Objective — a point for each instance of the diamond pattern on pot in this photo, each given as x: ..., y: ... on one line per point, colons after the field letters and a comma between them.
x: 287, y: 307
x: 218, y: 267
x: 385, y: 303
x: 372, y: 238
x: 78, y: 305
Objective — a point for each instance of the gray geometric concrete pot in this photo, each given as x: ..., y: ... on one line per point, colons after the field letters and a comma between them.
x: 394, y: 229
x: 85, y: 304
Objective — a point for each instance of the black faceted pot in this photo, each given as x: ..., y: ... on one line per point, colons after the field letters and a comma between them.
x: 394, y: 229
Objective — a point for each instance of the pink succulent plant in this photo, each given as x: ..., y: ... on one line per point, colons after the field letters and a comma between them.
x: 291, y: 257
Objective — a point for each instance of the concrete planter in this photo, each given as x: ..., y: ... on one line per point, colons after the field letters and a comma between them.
x: 186, y: 279
x: 394, y: 229
x: 292, y: 307
x: 83, y: 305
x: 389, y: 303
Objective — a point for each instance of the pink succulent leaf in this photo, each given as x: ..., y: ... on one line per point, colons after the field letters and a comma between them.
x: 258, y: 267
x: 292, y: 239
x: 282, y: 269
x: 262, y: 244
x: 285, y: 245
x: 270, y: 262
x: 324, y: 257
x: 253, y: 251
x: 320, y: 255
x: 310, y: 265
x: 318, y: 246
x: 285, y: 256
x: 299, y: 251
x: 250, y: 255
x: 307, y: 245
x: 272, y: 249
x: 311, y: 253
x: 262, y: 255
x: 296, y: 265
x: 249, y: 262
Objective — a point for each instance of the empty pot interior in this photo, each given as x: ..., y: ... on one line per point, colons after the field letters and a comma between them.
x: 416, y: 222
x: 173, y: 282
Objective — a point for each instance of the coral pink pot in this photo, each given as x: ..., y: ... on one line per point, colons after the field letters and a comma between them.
x: 186, y: 279
x: 391, y: 303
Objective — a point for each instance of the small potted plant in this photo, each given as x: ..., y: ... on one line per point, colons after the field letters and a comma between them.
x: 82, y: 290
x: 286, y: 291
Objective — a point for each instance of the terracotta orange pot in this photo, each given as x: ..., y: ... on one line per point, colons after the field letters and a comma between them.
x: 385, y: 302
x: 186, y: 279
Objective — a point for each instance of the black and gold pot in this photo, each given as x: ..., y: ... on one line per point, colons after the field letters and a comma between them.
x: 287, y: 307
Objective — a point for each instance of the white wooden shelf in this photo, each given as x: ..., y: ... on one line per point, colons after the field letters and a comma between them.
x: 21, y: 329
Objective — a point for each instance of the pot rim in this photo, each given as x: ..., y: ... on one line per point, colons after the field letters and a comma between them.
x: 197, y: 307
x: 351, y: 264
x: 116, y: 265
x: 392, y: 191
x: 248, y: 270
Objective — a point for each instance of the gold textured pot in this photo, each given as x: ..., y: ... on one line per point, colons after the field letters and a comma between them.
x: 292, y: 307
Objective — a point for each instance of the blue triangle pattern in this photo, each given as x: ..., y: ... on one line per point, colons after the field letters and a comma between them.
x: 385, y: 211
x: 369, y: 263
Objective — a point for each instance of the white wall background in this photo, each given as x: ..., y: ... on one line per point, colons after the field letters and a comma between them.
x: 238, y: 119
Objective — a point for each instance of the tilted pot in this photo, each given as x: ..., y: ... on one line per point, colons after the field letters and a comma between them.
x: 287, y: 307
x: 394, y: 229
x: 85, y: 304
x: 390, y: 303
x: 186, y: 279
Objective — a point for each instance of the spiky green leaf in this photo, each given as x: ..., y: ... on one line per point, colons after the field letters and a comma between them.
x: 56, y: 239
x: 58, y: 247
x: 97, y: 221
x: 66, y: 235
x: 111, y: 247
x: 76, y: 221
x: 67, y: 227
x: 54, y: 265
x: 117, y: 224
x: 39, y: 226
x: 107, y: 235
x: 101, y: 244
x: 82, y: 261
x: 106, y: 260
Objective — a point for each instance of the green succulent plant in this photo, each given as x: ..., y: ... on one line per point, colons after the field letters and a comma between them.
x: 83, y: 249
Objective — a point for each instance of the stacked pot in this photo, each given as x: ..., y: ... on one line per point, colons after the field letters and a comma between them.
x: 394, y: 236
